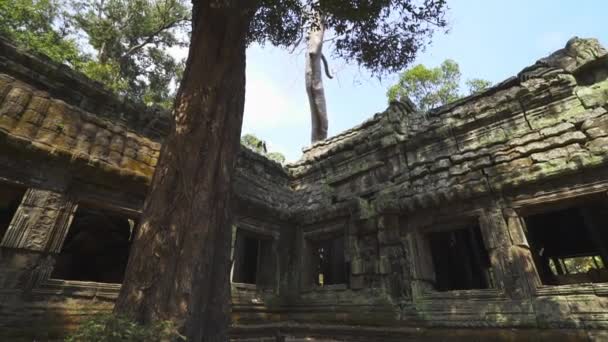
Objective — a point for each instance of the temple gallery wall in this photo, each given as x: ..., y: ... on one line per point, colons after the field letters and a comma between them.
x: 486, y: 219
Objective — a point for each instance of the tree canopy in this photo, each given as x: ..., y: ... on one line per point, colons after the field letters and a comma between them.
x: 132, y: 41
x: 124, y: 44
x: 38, y: 25
x: 429, y: 88
x: 381, y: 36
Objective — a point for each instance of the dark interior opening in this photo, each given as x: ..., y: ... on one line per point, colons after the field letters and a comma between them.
x: 253, y: 261
x: 569, y: 245
x: 246, y: 266
x: 460, y: 260
x: 328, y: 261
x: 96, y: 247
x: 10, y: 199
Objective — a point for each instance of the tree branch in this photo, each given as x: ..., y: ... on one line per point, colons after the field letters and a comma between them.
x: 326, y: 66
x: 151, y: 37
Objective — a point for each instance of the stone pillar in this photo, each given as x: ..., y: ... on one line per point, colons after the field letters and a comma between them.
x: 509, y: 252
x: 522, y: 254
x: 288, y: 267
x: 394, y: 260
x: 421, y: 264
x: 41, y: 222
x: 38, y: 227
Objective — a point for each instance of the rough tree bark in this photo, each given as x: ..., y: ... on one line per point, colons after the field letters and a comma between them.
x: 179, y: 263
x: 314, y: 81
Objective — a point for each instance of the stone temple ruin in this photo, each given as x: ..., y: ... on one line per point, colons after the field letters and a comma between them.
x: 486, y: 219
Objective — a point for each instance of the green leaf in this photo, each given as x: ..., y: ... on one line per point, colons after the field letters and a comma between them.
x: 429, y: 88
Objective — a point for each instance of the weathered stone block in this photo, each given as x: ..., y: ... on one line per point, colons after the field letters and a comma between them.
x: 15, y: 102
x: 388, y: 236
x: 356, y: 266
x: 515, y: 228
x: 570, y: 110
x: 117, y: 143
x: 512, y: 166
x: 594, y: 95
x: 567, y: 138
x: 550, y: 154
x: 419, y: 171
x: 557, y: 129
x: 598, y: 146
x: 441, y: 164
x: 46, y: 136
x: 533, y: 136
x: 385, y: 265
x: 595, y: 120
x: 357, y: 282
x: 596, y: 127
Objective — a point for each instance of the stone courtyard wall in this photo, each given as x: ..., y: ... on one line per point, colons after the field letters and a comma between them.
x: 535, y: 141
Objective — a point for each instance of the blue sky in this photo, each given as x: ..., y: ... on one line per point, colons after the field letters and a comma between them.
x: 489, y: 39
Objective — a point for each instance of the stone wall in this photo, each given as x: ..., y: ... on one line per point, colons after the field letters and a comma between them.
x: 531, y: 144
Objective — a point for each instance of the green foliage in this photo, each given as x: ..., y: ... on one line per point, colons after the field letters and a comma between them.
x: 37, y: 25
x: 254, y: 143
x: 576, y: 265
x: 382, y: 36
x: 277, y: 157
x: 107, y: 73
x: 432, y: 87
x: 428, y: 87
x: 112, y: 328
x: 132, y: 39
x: 477, y: 85
x: 128, y: 40
x: 258, y: 145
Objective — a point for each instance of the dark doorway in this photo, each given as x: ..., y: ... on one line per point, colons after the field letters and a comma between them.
x: 96, y: 247
x: 10, y: 199
x: 328, y: 262
x: 253, y: 260
x: 460, y: 260
x: 569, y: 245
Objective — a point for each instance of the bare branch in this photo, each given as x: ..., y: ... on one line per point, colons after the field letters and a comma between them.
x: 326, y: 66
x: 151, y: 37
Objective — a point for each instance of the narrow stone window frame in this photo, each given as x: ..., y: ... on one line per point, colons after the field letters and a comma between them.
x: 309, y: 239
x: 262, y: 236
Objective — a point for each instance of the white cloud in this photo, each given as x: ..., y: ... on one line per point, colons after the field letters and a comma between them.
x: 269, y: 106
x: 274, y: 107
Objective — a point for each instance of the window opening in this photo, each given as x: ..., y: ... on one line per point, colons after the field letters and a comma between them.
x: 569, y: 246
x: 253, y: 261
x: 460, y: 260
x: 96, y: 247
x: 329, y: 264
x: 10, y: 199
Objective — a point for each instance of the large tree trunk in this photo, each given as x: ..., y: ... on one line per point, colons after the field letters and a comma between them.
x: 179, y: 264
x: 314, y: 81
